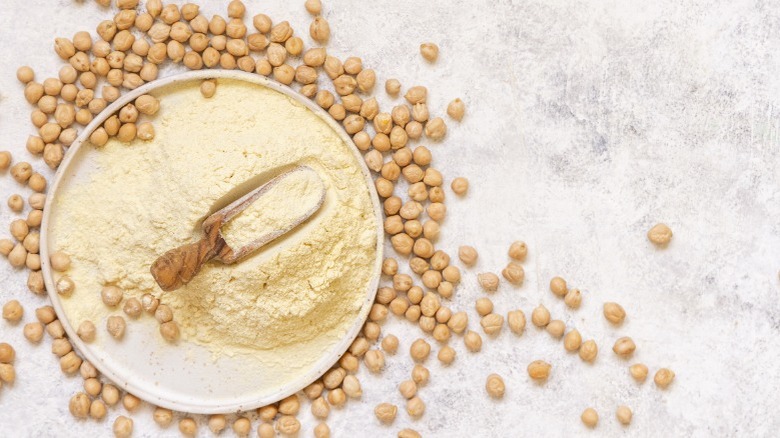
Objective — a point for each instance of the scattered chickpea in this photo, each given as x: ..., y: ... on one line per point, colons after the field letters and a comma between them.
x: 573, y: 298
x: 15, y: 203
x: 13, y: 311
x: 313, y: 7
x: 556, y: 328
x: 415, y: 407
x: 663, y: 378
x: 319, y: 29
x: 420, y: 350
x: 87, y: 331
x: 495, y: 386
x: 111, y: 295
x: 588, y: 351
x: 5, y: 160
x: 447, y: 354
x: 514, y: 273
x: 590, y: 417
x: 624, y: 415
x: 25, y: 74
x: 385, y: 412
x: 79, y: 405
x: 473, y: 341
x: 116, y: 326
x: 409, y: 433
x: 660, y: 234
x: 558, y: 286
x: 163, y: 417
x: 492, y: 323
x: 188, y: 427
x: 468, y: 255
x: 540, y: 317
x: 266, y: 430
x: 638, y: 371
x: 624, y: 346
x: 488, y: 281
x: 217, y: 423
x: 33, y: 332
x: 456, y: 109
x: 390, y: 344
x: 97, y: 409
x: 60, y: 261
x: 123, y: 427
x: 614, y: 313
x: 429, y: 51
x: 170, y: 331
x: 242, y: 426
x: 539, y: 370
x: 288, y: 425
x: 572, y: 341
x: 337, y: 397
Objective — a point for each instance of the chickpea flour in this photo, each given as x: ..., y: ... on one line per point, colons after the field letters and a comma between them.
x: 297, y: 296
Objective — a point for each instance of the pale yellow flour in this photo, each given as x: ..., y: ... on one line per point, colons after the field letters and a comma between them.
x: 300, y: 292
x: 294, y: 196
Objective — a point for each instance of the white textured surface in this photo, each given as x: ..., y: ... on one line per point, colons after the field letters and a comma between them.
x: 586, y: 124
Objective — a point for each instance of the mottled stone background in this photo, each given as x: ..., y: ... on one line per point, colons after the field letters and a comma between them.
x: 588, y: 121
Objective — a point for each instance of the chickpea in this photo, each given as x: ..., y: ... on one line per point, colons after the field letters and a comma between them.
x: 514, y: 273
x: 539, y: 370
x: 660, y: 234
x: 556, y: 328
x: 366, y: 80
x: 408, y: 389
x: 492, y: 323
x: 488, y: 281
x: 351, y: 387
x: 458, y: 322
x: 624, y: 415
x: 79, y: 405
x: 87, y: 370
x: 170, y: 331
x: 624, y: 346
x: 375, y: 360
x: 132, y: 307
x: 483, y: 306
x: 70, y: 363
x: 33, y: 332
x: 18, y: 256
x: 116, y: 326
x: 163, y: 417
x: 266, y: 430
x: 572, y: 341
x: 573, y: 298
x: 288, y: 425
x: 558, y: 286
x: 638, y: 371
x: 663, y: 378
x: 409, y: 433
x: 614, y: 313
x: 385, y: 412
x: 123, y: 427
x: 45, y: 314
x: 588, y: 351
x: 55, y: 329
x: 468, y: 255
x: 473, y: 341
x: 25, y: 74
x: 590, y: 417
x: 60, y: 261
x: 516, y: 321
x: 21, y: 172
x: 420, y: 350
x: 319, y: 29
x: 429, y: 51
x: 320, y: 408
x: 540, y: 317
x: 111, y: 295
x: 13, y: 311
x: 495, y: 386
x: 87, y: 331
x: 188, y: 427
x: 415, y: 407
x: 456, y: 109
x: 393, y: 87
x: 97, y: 410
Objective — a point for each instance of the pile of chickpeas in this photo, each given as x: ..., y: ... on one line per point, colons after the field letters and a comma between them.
x: 127, y: 53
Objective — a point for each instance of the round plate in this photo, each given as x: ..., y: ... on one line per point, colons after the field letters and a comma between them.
x: 194, y: 381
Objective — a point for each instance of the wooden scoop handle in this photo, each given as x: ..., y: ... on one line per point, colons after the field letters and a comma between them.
x: 178, y: 266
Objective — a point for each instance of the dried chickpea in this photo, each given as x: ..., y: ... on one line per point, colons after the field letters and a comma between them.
x: 429, y: 51
x: 614, y: 313
x: 516, y: 321
x: 188, y: 427
x: 217, y: 423
x: 170, y: 331
x: 111, y: 295
x: 588, y: 351
x: 495, y: 386
x: 70, y: 363
x: 116, y: 326
x: 539, y: 370
x: 483, y: 306
x: 79, y: 405
x: 87, y: 331
x: 55, y: 329
x: 540, y: 317
x: 572, y: 341
x: 385, y: 412
x: 409, y: 433
x: 319, y: 30
x: 33, y: 332
x: 420, y: 350
x: 590, y: 417
x: 163, y: 417
x: 663, y: 378
x: 25, y: 74
x: 638, y: 371
x: 660, y: 234
x: 456, y: 109
x: 558, y: 286
x: 514, y: 273
x: 488, y: 281
x: 573, y: 298
x: 473, y: 341
x: 416, y: 94
x: 492, y: 323
x: 13, y: 311
x: 556, y: 328
x: 18, y: 256
x: 459, y: 185
x: 468, y: 255
x: 624, y: 346
x: 624, y: 415
x: 337, y: 397
x: 415, y: 407
x: 420, y: 375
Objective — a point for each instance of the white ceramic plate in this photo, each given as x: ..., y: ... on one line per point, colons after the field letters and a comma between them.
x: 165, y: 375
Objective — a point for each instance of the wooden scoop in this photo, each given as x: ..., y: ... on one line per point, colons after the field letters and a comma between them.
x: 178, y: 266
